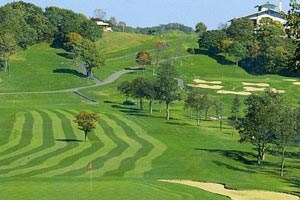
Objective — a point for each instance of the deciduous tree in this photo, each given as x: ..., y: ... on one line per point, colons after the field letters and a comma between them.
x: 86, y: 121
x: 167, y: 86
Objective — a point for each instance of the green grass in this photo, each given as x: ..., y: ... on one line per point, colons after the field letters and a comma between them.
x: 42, y: 157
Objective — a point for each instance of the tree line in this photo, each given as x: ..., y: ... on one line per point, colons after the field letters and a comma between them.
x: 25, y: 24
x: 266, y: 47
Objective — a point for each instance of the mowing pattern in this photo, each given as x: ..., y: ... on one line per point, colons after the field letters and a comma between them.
x: 46, y: 143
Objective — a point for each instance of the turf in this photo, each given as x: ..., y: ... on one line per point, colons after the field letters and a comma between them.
x: 43, y: 155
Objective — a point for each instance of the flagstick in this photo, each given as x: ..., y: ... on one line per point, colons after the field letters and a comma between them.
x: 91, y: 180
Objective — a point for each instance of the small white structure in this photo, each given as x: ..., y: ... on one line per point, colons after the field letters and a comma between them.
x: 105, y: 25
x: 268, y: 10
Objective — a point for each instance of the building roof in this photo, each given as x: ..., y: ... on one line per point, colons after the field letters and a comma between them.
x: 266, y: 6
x: 101, y: 23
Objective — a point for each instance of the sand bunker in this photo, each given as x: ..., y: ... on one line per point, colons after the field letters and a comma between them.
x: 253, y: 89
x: 290, y: 80
x: 256, y: 84
x: 205, y: 86
x: 207, y: 82
x: 233, y: 92
x: 236, y: 194
x: 296, y: 83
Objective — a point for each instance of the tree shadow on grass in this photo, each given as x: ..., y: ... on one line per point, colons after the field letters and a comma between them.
x: 219, y: 58
x: 69, y: 71
x: 231, y: 167
x: 178, y: 123
x: 68, y: 140
x: 65, y: 55
x: 239, y: 156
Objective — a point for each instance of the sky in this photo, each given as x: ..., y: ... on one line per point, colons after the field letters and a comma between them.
x: 147, y: 13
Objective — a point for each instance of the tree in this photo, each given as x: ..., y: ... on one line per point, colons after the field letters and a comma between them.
x: 219, y: 108
x: 259, y: 124
x: 241, y: 30
x: 159, y: 46
x: 139, y: 89
x: 73, y: 44
x: 167, y: 86
x: 7, y: 48
x: 198, y: 101
x: 122, y: 25
x: 212, y: 41
x: 235, y: 109
x: 125, y: 88
x: 91, y: 56
x: 238, y: 51
x: 200, y: 28
x: 293, y: 22
x: 143, y: 58
x: 86, y: 121
x: 285, y: 130
x: 100, y: 14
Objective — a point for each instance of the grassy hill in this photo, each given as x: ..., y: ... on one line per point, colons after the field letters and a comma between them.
x: 42, y: 155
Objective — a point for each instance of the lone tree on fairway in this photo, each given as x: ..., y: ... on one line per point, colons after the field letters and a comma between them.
x: 86, y: 121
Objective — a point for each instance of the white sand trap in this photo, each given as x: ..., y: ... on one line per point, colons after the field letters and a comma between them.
x: 296, y: 83
x: 207, y: 82
x: 254, y: 89
x: 236, y: 194
x: 233, y: 92
x: 256, y: 84
x: 290, y: 80
x: 205, y: 86
x: 278, y: 91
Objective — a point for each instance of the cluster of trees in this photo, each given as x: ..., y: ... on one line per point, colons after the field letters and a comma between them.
x: 24, y: 24
x: 261, y: 48
x: 270, y: 120
x: 163, y: 89
x: 293, y: 31
x: 164, y: 28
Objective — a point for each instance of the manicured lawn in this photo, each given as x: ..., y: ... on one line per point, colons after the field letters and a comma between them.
x: 42, y: 154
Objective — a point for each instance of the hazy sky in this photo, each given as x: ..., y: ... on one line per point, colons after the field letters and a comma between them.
x: 154, y: 12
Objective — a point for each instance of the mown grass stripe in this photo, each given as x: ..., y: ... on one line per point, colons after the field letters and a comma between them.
x: 16, y: 133
x: 24, y: 141
x: 115, y: 162
x: 40, y: 152
x: 69, y: 157
x: 129, y: 163
x: 104, y: 146
x: 101, y: 159
x: 144, y: 164
x: 50, y: 162
x: 7, y: 129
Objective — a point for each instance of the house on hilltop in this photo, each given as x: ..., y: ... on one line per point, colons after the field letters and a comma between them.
x: 106, y: 27
x: 268, y: 10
